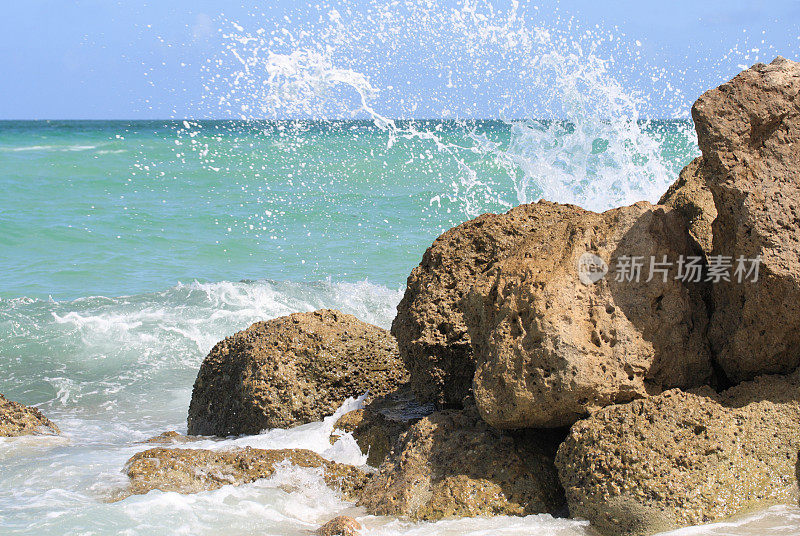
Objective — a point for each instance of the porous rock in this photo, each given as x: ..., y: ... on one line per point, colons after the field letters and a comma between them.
x: 681, y: 458
x: 290, y: 371
x: 340, y: 526
x: 451, y: 464
x: 691, y: 197
x: 551, y: 348
x: 748, y: 130
x: 195, y: 470
x: 18, y: 420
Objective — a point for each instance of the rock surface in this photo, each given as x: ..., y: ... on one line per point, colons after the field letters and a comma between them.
x: 680, y: 459
x: 195, y: 470
x: 691, y: 196
x: 550, y: 348
x: 749, y: 133
x: 374, y: 433
x: 429, y: 326
x: 451, y: 464
x: 170, y: 438
x: 340, y: 526
x: 18, y: 420
x: 290, y: 371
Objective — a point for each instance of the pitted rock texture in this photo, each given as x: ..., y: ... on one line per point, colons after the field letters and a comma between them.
x: 18, y: 420
x: 551, y: 349
x: 451, y: 464
x: 340, y: 526
x: 691, y: 196
x: 196, y: 470
x: 290, y: 371
x: 680, y: 459
x: 748, y: 130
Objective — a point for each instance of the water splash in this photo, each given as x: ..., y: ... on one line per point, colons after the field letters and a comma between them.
x: 573, y: 128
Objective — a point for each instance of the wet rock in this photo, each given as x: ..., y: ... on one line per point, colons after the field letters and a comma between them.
x: 340, y: 526
x: 18, y: 420
x: 170, y: 438
x: 374, y: 433
x: 195, y: 470
x: 749, y: 133
x: 691, y: 196
x: 378, y: 426
x: 290, y: 371
x: 550, y: 347
x: 451, y: 464
x: 680, y: 459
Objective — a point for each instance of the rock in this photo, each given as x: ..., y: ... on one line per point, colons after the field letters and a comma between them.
x: 748, y: 130
x: 170, y: 438
x: 429, y: 326
x: 680, y: 459
x: 195, y: 470
x: 374, y: 433
x: 378, y: 426
x: 691, y: 196
x: 290, y: 371
x: 451, y: 464
x: 340, y: 526
x: 18, y: 420
x: 550, y: 349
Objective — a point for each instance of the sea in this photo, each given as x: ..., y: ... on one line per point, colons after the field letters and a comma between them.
x: 129, y: 248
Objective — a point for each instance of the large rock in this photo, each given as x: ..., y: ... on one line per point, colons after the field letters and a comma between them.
x: 680, y: 459
x: 195, y: 470
x: 749, y: 132
x: 551, y: 348
x: 691, y: 196
x: 18, y: 420
x: 291, y: 370
x: 429, y: 326
x: 451, y: 464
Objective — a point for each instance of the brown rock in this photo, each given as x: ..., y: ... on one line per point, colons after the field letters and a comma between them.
x: 18, y: 420
x: 749, y: 132
x: 291, y: 370
x: 680, y: 459
x: 195, y: 470
x: 340, y: 526
x: 451, y: 464
x: 429, y: 326
x: 691, y: 196
x: 170, y: 438
x: 374, y: 433
x: 551, y: 349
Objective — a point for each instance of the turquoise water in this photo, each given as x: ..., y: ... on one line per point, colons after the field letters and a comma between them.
x: 127, y: 249
x: 113, y: 208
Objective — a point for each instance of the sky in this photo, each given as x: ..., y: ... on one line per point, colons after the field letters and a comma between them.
x: 95, y: 59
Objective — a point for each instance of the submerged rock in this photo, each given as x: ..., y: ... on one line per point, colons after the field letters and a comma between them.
x: 680, y: 459
x: 195, y: 470
x: 451, y: 464
x: 340, y: 526
x: 748, y: 130
x: 18, y: 420
x: 691, y: 196
x: 290, y: 371
x: 552, y: 347
x: 170, y: 438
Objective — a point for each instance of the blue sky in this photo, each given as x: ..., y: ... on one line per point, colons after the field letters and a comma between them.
x: 63, y: 59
